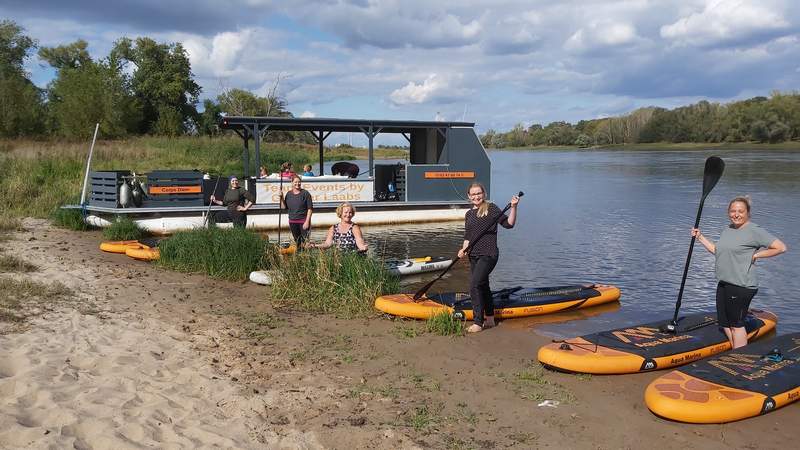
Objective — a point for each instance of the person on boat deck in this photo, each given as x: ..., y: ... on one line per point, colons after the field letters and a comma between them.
x: 740, y: 245
x: 300, y: 207
x: 238, y: 201
x: 286, y: 170
x: 484, y: 253
x: 345, y: 235
x: 307, y: 171
x: 262, y: 172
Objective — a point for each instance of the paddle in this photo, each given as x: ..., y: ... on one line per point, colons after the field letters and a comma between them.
x: 280, y: 207
x: 711, y: 175
x: 210, y: 203
x: 425, y: 288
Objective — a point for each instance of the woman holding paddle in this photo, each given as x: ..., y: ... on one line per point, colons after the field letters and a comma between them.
x: 739, y: 246
x: 480, y: 225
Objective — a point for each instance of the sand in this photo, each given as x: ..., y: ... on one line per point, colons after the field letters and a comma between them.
x: 148, y: 358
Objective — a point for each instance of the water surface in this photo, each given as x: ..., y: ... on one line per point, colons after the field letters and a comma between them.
x: 622, y: 217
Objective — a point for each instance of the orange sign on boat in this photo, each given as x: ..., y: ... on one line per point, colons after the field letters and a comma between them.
x: 176, y: 189
x: 449, y: 174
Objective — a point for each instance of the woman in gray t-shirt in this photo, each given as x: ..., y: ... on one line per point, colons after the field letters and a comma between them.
x: 735, y: 255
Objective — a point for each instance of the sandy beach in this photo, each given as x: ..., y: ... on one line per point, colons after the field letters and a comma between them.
x: 141, y: 357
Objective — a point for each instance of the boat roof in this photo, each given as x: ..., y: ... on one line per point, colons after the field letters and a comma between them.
x: 335, y: 125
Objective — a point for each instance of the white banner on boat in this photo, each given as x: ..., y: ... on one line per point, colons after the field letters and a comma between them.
x: 321, y: 191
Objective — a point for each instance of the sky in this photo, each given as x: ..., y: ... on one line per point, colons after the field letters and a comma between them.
x: 493, y: 62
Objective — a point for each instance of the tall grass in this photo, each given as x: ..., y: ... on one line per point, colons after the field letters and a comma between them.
x: 123, y: 229
x: 71, y: 219
x: 229, y: 254
x: 20, y: 299
x: 445, y: 324
x: 343, y: 283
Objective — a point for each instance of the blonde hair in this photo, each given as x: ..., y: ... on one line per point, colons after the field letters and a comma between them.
x: 307, y: 167
x: 341, y: 208
x: 483, y: 209
x: 742, y: 199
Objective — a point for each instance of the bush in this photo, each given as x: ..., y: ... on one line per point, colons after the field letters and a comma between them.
x: 123, y: 229
x: 445, y: 324
x: 71, y: 219
x: 343, y: 283
x: 229, y: 254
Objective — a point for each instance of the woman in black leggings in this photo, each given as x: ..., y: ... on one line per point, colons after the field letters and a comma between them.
x: 483, y: 216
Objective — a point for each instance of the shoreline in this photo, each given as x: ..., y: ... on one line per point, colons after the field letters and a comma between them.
x: 667, y: 146
x: 170, y: 359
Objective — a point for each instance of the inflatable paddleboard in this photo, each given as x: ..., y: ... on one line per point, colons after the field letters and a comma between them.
x: 144, y: 253
x: 118, y: 246
x: 747, y: 382
x: 645, y: 347
x: 508, y: 303
x: 401, y: 267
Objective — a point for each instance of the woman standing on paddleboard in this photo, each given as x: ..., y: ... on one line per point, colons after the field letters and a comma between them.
x: 480, y: 224
x: 740, y: 245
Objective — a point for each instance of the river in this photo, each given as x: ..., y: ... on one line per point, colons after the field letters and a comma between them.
x: 623, y: 218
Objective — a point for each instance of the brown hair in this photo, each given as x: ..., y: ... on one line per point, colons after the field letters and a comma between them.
x: 483, y: 209
x: 341, y: 208
x: 743, y: 199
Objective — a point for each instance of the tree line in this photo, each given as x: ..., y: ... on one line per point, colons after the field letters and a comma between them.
x: 140, y: 87
x: 759, y: 119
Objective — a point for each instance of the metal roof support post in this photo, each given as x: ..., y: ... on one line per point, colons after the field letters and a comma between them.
x: 246, y: 151
x: 257, y: 139
x: 371, y: 136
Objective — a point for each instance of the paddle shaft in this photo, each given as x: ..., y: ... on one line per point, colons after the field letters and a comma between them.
x: 213, y: 193
x: 280, y: 206
x: 712, y: 173
x: 688, y: 260
x: 425, y: 288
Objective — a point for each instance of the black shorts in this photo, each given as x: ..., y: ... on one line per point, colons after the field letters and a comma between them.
x: 733, y: 303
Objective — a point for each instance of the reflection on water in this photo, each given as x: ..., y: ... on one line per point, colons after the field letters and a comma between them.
x: 623, y: 218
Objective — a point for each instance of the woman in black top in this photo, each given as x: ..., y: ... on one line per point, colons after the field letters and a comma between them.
x: 300, y: 206
x: 484, y: 253
x: 238, y: 201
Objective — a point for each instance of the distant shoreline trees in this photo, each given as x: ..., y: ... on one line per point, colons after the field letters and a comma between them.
x: 759, y: 119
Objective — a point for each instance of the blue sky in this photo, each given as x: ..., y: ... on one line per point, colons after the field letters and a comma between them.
x: 493, y: 62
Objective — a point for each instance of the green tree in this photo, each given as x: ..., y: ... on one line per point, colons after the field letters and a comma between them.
x: 86, y: 92
x: 21, y: 108
x: 208, y: 122
x: 162, y: 82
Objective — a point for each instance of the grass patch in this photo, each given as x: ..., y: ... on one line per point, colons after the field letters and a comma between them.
x: 229, y: 254
x: 444, y: 324
x: 423, y: 418
x: 22, y: 299
x: 342, y: 283
x: 123, y: 229
x: 9, y: 263
x: 71, y: 219
x: 407, y: 331
x: 532, y: 384
x: 9, y: 224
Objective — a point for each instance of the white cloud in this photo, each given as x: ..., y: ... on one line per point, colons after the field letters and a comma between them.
x: 308, y: 114
x: 434, y: 88
x: 601, y: 35
x: 724, y: 22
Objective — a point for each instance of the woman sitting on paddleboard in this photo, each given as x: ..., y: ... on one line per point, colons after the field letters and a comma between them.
x: 345, y: 235
x: 740, y: 245
x: 484, y: 253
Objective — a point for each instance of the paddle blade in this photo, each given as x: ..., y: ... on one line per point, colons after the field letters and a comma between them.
x: 712, y: 173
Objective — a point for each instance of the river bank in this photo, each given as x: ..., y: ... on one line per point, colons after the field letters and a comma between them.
x: 148, y: 357
x: 668, y: 146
